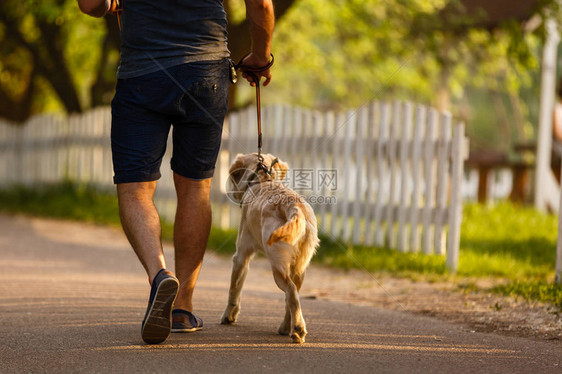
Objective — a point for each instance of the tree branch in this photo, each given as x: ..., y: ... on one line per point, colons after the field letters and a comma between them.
x: 48, y: 59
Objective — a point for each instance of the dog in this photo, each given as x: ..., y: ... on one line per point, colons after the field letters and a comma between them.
x: 277, y: 221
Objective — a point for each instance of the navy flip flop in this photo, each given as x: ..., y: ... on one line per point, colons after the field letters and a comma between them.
x: 184, y: 321
x: 157, y: 322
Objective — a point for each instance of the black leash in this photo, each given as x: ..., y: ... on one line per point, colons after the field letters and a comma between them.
x: 252, y: 72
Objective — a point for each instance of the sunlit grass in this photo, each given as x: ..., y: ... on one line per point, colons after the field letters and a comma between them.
x: 508, y: 241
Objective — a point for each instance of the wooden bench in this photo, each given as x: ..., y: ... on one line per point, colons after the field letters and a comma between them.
x: 486, y: 161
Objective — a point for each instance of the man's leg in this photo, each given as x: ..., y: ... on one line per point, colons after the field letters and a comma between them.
x: 191, y: 232
x: 141, y: 224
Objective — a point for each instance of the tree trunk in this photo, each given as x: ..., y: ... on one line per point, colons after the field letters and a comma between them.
x: 104, y: 85
x: 54, y: 68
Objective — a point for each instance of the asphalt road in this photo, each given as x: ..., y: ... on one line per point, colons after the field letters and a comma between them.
x: 72, y: 297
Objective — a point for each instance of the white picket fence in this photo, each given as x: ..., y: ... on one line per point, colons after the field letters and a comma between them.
x: 384, y: 174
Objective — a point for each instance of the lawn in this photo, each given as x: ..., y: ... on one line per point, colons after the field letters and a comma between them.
x: 513, y: 245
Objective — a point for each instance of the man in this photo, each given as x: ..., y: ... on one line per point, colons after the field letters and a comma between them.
x: 174, y: 71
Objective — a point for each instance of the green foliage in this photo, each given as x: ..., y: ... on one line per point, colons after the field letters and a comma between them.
x: 52, y: 51
x: 343, y: 53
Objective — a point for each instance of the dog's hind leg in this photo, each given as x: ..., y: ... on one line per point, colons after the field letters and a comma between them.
x: 293, y: 311
x: 285, y: 327
x: 297, y: 279
x: 240, y: 265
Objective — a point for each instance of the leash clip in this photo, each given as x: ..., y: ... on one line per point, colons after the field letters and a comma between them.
x: 261, y: 165
x: 233, y: 73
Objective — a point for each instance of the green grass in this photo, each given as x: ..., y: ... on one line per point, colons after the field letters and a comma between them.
x: 533, y: 290
x: 64, y: 200
x: 339, y: 254
x: 511, y: 244
x: 508, y: 241
x: 85, y: 203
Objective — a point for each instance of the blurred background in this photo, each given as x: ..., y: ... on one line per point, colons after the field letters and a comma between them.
x: 483, y: 66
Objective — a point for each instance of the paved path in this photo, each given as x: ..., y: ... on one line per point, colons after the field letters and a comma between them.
x: 72, y: 297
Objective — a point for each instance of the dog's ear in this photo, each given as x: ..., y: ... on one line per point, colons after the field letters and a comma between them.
x: 237, y: 169
x: 280, y: 169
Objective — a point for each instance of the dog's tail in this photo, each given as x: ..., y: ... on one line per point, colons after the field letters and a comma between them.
x: 292, y: 231
x: 308, y: 245
x: 301, y: 233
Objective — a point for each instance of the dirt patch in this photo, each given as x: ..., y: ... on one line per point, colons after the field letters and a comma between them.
x: 480, y: 311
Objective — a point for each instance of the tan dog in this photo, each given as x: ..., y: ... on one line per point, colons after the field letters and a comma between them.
x: 278, y: 221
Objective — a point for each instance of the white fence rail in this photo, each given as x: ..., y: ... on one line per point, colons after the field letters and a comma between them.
x: 385, y: 174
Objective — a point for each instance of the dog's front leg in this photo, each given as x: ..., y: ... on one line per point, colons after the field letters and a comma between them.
x: 285, y: 328
x: 240, y: 265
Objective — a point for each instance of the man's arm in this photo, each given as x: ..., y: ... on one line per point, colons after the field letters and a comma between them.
x: 94, y: 8
x: 262, y: 19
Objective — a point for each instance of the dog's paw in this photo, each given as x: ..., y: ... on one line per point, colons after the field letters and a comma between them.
x: 299, y: 332
x: 230, y: 314
x: 297, y: 339
x: 227, y: 320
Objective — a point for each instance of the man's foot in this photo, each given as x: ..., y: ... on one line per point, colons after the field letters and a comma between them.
x: 184, y: 321
x: 157, y: 322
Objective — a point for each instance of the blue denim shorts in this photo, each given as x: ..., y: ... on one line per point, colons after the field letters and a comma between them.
x: 193, y: 98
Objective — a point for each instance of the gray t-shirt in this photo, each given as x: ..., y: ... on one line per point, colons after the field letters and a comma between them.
x: 159, y: 34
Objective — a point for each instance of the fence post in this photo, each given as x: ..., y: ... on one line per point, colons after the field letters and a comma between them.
x: 327, y: 124
x: 395, y: 133
x: 416, y: 169
x: 371, y: 152
x: 443, y: 154
x: 361, y: 165
x: 405, y: 153
x: 340, y: 119
x: 349, y: 134
x: 382, y: 149
x: 455, y: 205
x: 429, y: 195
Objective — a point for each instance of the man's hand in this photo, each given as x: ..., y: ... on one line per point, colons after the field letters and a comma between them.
x: 253, y: 61
x: 262, y: 19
